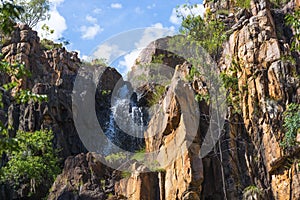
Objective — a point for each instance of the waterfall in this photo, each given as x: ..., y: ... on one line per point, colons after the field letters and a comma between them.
x: 126, y: 124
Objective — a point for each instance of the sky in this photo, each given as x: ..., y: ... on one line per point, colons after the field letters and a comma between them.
x: 89, y: 24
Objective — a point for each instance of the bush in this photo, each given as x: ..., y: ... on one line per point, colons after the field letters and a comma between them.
x: 158, y: 94
x: 116, y: 157
x: 291, y: 124
x: 33, y: 163
x: 294, y: 21
x: 243, y: 3
x: 48, y: 44
x: 252, y: 192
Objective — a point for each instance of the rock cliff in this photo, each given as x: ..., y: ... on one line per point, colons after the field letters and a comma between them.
x: 252, y: 156
x: 248, y: 162
x: 53, y: 73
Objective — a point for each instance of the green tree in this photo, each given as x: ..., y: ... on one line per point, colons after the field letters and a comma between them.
x: 34, y: 11
x: 33, y: 163
x: 209, y: 32
x: 9, y: 13
x: 293, y: 20
x: 291, y: 124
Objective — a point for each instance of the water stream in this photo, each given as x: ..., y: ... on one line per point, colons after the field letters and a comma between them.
x: 127, y: 123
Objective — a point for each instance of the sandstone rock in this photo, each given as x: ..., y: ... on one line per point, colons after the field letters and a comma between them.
x: 263, y: 82
x: 139, y: 186
x: 83, y: 177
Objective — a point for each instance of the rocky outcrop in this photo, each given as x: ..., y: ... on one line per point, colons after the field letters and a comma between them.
x: 252, y: 151
x: 53, y: 73
x: 83, y: 177
x: 139, y: 186
x: 250, y: 157
x: 174, y: 132
x: 249, y: 161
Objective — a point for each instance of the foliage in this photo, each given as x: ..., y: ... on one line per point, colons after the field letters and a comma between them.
x: 16, y: 72
x: 158, y: 59
x: 294, y: 21
x: 100, y: 61
x: 139, y: 155
x: 9, y: 13
x: 252, y: 191
x: 243, y: 3
x: 157, y: 94
x: 125, y: 174
x: 208, y: 33
x: 291, y: 124
x: 49, y: 44
x: 194, y: 72
x: 208, y: 36
x: 33, y: 162
x: 23, y: 168
x: 34, y: 11
x: 96, y: 62
x: 278, y: 3
x: 47, y: 31
x: 105, y: 92
x: 24, y: 96
x: 202, y: 97
x: 13, y: 146
x: 229, y: 82
x: 114, y: 157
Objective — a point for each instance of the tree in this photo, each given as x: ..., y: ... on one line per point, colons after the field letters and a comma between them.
x: 31, y: 158
x: 293, y: 20
x: 34, y: 11
x: 9, y: 13
x: 33, y: 163
x: 208, y: 33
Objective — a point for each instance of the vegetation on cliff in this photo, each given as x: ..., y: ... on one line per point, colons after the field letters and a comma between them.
x: 29, y: 160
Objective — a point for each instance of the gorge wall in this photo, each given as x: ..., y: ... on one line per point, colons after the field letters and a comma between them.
x: 250, y: 154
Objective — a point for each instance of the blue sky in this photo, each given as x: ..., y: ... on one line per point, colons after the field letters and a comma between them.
x: 88, y: 23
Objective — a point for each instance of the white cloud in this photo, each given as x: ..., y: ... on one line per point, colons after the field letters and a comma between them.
x: 150, y: 34
x: 154, y: 32
x: 138, y: 10
x: 108, y: 52
x: 199, y: 10
x: 151, y: 6
x: 56, y: 22
x: 56, y: 2
x: 91, y: 19
x: 97, y: 10
x: 129, y: 59
x: 89, y: 32
x: 83, y: 57
x: 116, y: 5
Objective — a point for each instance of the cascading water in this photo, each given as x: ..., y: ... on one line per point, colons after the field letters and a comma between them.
x: 126, y: 124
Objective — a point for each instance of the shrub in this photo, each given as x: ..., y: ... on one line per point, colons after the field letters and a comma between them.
x: 33, y: 163
x: 252, y: 192
x: 139, y: 155
x: 291, y: 124
x: 115, y: 157
x: 294, y: 21
x: 48, y: 44
x: 243, y: 3
x: 157, y: 94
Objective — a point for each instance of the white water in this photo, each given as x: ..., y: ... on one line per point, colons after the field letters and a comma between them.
x: 125, y: 117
